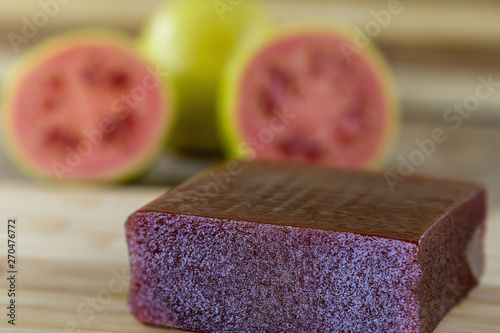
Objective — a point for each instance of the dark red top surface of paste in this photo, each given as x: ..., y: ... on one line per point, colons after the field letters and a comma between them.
x: 315, y: 197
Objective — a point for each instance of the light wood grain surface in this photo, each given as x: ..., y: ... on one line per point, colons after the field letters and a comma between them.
x: 73, y: 264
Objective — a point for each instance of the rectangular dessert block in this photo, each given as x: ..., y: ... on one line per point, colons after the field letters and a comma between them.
x: 275, y: 247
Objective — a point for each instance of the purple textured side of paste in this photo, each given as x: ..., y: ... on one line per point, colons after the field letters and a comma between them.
x: 218, y: 275
x: 451, y: 259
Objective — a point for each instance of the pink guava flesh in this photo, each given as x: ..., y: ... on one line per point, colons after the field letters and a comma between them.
x: 308, y: 97
x: 285, y: 248
x: 93, y: 108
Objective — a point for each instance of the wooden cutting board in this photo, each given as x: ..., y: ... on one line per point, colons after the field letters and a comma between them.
x: 72, y: 265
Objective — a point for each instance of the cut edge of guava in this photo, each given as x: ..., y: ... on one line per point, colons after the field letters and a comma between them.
x: 234, y: 144
x: 45, y: 50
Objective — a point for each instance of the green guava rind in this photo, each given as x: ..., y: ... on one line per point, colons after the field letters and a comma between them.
x: 189, y: 39
x: 45, y: 50
x: 234, y: 144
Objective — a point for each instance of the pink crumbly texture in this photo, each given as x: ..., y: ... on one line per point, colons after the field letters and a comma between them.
x: 219, y: 275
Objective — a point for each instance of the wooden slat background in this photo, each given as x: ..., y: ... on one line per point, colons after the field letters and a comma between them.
x: 437, y: 49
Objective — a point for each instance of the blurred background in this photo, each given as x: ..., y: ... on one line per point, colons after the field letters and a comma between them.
x: 437, y: 50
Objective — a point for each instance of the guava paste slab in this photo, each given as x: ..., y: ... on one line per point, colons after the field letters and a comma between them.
x: 276, y: 247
